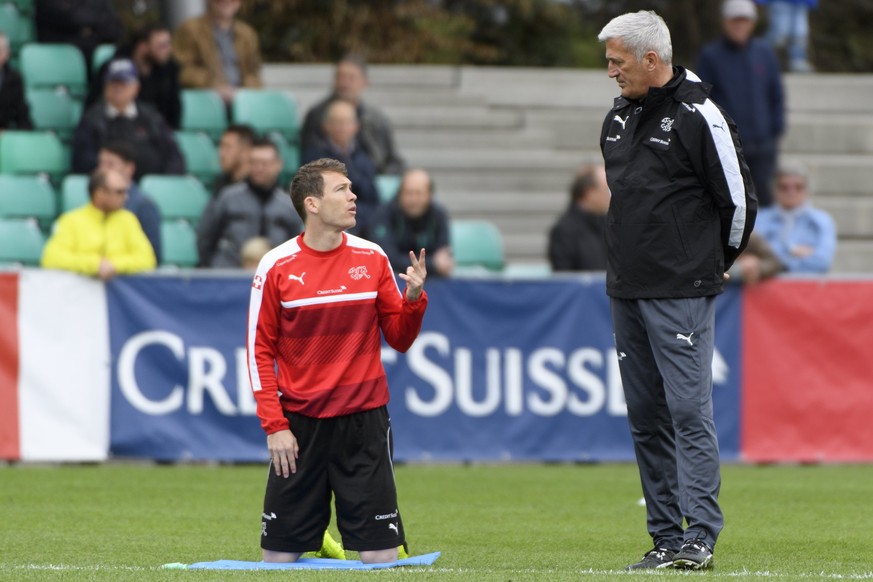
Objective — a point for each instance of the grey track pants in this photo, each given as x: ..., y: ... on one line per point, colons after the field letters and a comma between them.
x: 665, y: 349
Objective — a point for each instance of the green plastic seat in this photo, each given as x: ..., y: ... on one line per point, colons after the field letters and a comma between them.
x: 17, y: 27
x: 177, y: 197
x: 49, y: 66
x: 388, y: 186
x: 74, y: 192
x: 476, y: 243
x: 178, y: 244
x: 25, y: 7
x: 28, y: 197
x: 201, y: 156
x: 55, y: 111
x: 33, y: 152
x: 268, y: 111
x: 101, y: 54
x: 21, y: 241
x: 203, y: 111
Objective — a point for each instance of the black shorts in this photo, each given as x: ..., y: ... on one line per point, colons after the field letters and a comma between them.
x: 351, y: 457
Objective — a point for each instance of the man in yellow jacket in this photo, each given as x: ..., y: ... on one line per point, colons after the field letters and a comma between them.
x: 101, y: 238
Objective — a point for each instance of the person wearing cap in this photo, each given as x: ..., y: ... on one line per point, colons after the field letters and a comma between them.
x: 118, y: 116
x: 747, y: 83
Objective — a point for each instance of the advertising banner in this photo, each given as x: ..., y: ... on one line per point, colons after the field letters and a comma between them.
x: 807, y: 394
x: 502, y: 370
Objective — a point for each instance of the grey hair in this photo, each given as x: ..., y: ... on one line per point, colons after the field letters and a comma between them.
x: 641, y: 32
x: 794, y: 168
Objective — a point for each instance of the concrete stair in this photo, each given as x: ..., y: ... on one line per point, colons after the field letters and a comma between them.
x: 503, y: 143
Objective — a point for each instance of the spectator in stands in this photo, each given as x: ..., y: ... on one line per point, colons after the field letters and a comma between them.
x: 101, y: 238
x: 254, y: 207
x: 217, y: 51
x: 234, y: 150
x: 341, y: 129
x: 413, y: 221
x: 150, y: 49
x: 119, y: 156
x: 789, y: 30
x: 804, y: 238
x: 755, y: 264
x: 120, y: 117
x: 747, y: 83
x: 577, y: 241
x: 253, y: 250
x: 14, y: 111
x: 376, y: 137
x: 84, y: 23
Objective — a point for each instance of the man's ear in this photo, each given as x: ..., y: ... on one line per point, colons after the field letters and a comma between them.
x: 311, y: 204
x: 651, y: 60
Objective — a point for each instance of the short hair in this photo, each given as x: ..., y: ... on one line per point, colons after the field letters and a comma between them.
x: 144, y: 33
x: 333, y: 101
x: 122, y: 149
x: 640, y: 32
x: 264, y: 142
x: 309, y: 181
x: 794, y: 168
x: 96, y: 181
x: 586, y: 179
x: 244, y: 132
x: 431, y: 185
x: 356, y: 59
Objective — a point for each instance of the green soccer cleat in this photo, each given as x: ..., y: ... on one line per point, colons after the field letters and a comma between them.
x: 330, y: 548
x: 402, y: 552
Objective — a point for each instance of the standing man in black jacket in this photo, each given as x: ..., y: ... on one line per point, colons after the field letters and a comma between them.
x: 577, y: 241
x: 682, y: 209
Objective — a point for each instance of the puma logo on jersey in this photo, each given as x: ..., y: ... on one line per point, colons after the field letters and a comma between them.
x: 296, y: 278
x: 686, y: 338
x: 719, y: 125
x: 620, y: 120
x: 394, y: 527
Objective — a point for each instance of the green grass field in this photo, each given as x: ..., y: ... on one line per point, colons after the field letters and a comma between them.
x: 493, y: 522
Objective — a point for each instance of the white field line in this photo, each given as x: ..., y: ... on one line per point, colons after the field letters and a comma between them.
x: 412, y: 570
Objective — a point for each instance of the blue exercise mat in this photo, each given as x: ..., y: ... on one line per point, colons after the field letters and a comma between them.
x: 305, y: 564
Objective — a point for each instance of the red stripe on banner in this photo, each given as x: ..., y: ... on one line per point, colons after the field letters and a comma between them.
x: 807, y: 369
x: 9, y: 440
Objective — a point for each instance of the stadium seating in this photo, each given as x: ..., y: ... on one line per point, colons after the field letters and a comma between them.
x: 17, y: 27
x: 178, y: 244
x: 74, y: 192
x: 49, y: 66
x: 290, y: 155
x: 203, y: 111
x: 32, y: 152
x: 388, y: 185
x: 102, y: 53
x: 476, y: 244
x: 177, y: 197
x: 24, y: 7
x: 55, y: 111
x: 268, y: 111
x: 28, y: 197
x: 201, y: 156
x: 21, y: 241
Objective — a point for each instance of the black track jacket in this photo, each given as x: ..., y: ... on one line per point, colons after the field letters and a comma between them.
x: 683, y: 204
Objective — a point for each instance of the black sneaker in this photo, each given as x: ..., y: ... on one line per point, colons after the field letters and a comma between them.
x: 654, y: 558
x: 694, y: 555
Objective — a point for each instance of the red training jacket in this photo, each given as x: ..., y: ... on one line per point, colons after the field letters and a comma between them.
x: 313, y: 340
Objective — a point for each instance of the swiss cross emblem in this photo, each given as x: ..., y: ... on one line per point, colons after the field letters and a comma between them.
x: 358, y: 273
x: 258, y: 282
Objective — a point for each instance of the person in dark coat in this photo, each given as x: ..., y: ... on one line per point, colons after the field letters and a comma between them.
x: 413, y: 221
x: 14, y: 111
x: 341, y: 127
x: 119, y: 116
x: 577, y: 241
x: 150, y: 49
x: 747, y: 83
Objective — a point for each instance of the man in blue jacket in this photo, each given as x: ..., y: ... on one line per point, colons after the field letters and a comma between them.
x: 746, y: 82
x: 682, y: 209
